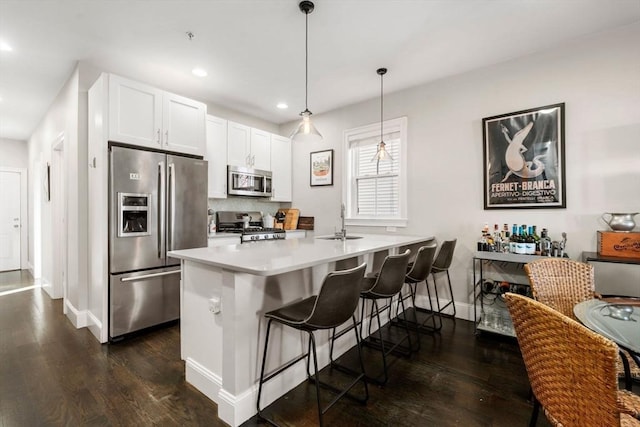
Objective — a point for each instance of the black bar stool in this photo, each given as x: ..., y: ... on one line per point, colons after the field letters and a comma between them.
x: 385, y: 285
x: 334, y: 304
x: 441, y: 265
x: 418, y: 272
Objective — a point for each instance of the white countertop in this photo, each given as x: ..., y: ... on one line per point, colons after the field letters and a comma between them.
x: 269, y: 258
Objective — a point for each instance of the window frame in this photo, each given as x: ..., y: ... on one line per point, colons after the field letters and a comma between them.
x: 349, y: 183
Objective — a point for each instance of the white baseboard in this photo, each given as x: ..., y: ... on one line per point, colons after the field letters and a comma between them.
x: 77, y: 317
x: 236, y: 409
x: 203, y: 379
x: 95, y: 327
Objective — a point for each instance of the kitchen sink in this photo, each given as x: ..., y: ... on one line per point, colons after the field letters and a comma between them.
x: 338, y: 237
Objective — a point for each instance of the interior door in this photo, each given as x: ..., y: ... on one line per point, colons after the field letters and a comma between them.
x: 10, y: 221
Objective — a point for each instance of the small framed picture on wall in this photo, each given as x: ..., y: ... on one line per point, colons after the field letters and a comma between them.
x: 321, y: 168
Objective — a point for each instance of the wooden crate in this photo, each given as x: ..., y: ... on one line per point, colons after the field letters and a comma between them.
x: 619, y: 244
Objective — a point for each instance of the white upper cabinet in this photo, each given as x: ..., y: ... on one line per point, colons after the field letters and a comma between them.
x: 217, y: 156
x: 239, y: 144
x: 135, y: 113
x: 183, y: 122
x: 281, y: 168
x: 260, y: 149
x: 149, y: 117
x: 248, y: 147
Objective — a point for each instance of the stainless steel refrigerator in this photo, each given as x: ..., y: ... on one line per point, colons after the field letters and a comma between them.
x: 157, y: 203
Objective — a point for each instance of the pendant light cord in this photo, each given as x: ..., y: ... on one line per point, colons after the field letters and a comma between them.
x: 306, y: 61
x: 381, y: 105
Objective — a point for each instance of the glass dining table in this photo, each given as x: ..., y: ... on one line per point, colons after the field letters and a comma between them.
x: 617, y: 319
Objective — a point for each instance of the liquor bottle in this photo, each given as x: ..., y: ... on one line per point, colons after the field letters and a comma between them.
x: 506, y: 239
x: 482, y: 243
x: 530, y: 241
x: 545, y: 243
x: 513, y: 239
x: 520, y: 243
x: 497, y: 239
x: 536, y: 240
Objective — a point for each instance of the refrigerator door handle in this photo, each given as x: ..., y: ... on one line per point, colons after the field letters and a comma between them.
x: 161, y: 210
x: 171, y: 208
x: 149, y: 276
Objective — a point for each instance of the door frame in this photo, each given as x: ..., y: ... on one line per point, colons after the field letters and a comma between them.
x: 59, y: 215
x: 24, y: 216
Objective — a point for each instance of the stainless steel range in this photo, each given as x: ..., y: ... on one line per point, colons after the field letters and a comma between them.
x: 248, y: 224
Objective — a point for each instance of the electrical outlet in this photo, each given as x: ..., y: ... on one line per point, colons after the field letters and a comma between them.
x: 214, y: 305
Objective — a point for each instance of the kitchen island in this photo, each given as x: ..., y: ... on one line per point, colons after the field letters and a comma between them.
x: 226, y: 290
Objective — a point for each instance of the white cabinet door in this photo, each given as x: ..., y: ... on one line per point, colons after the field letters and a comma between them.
x: 238, y: 144
x: 281, y: 168
x: 135, y: 113
x: 217, y: 156
x: 260, y: 153
x: 183, y: 123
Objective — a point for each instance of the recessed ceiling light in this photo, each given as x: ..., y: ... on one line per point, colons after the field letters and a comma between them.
x: 282, y: 105
x: 199, y: 72
x: 5, y: 47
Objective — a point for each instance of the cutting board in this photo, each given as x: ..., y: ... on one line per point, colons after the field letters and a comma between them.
x: 291, y: 218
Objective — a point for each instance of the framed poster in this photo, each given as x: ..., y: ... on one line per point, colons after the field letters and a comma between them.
x: 524, y: 159
x: 321, y: 169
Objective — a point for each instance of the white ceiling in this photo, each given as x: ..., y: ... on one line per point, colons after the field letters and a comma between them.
x: 253, y: 50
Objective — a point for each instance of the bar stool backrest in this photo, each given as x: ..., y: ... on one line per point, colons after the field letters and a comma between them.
x: 445, y: 255
x: 422, y: 264
x: 392, y: 274
x: 337, y: 299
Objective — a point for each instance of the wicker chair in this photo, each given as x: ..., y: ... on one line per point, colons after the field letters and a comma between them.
x: 572, y: 370
x: 561, y: 283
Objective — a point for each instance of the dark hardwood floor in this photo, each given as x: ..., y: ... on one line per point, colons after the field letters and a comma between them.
x: 54, y: 375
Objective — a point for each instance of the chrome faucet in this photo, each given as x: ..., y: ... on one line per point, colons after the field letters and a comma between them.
x: 343, y: 230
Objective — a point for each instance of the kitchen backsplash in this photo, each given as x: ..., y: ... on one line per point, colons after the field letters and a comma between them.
x: 246, y: 204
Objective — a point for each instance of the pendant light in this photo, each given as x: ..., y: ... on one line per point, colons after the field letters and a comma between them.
x: 382, y: 153
x: 306, y: 131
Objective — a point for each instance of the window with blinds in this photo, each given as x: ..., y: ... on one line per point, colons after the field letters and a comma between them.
x: 374, y: 187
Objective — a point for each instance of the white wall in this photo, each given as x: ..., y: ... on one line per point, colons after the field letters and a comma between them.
x: 61, y: 120
x: 599, y: 80
x: 13, y: 153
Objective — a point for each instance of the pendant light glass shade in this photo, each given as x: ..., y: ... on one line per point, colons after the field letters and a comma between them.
x: 306, y: 131
x: 382, y: 153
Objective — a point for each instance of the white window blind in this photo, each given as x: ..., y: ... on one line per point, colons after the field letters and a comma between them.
x: 374, y: 189
x: 377, y: 184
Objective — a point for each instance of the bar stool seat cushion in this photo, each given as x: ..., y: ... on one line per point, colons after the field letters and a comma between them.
x: 295, y: 313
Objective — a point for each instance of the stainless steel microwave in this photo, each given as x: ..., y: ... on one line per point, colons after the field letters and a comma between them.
x: 243, y: 181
